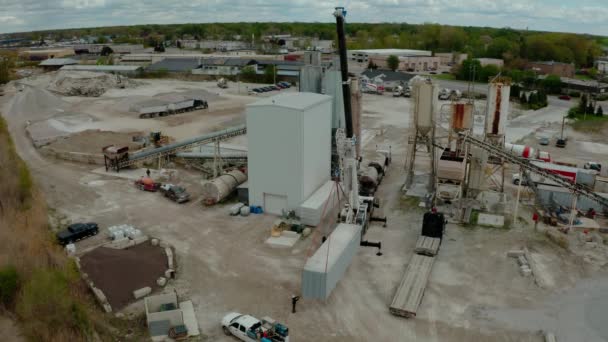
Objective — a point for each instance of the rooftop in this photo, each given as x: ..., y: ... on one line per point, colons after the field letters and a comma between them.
x: 176, y: 64
x: 387, y: 75
x: 550, y: 63
x: 101, y: 67
x: 58, y: 62
x: 401, y: 52
x: 297, y: 101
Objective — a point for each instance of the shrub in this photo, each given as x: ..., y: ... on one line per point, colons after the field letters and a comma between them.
x: 9, y: 283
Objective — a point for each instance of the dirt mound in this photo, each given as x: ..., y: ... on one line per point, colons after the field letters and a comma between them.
x: 92, y: 141
x: 35, y: 103
x: 86, y: 83
x: 118, y: 272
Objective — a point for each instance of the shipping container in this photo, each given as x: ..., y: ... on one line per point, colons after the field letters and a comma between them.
x: 328, y: 264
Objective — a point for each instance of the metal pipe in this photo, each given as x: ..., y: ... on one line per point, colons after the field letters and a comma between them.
x: 339, y: 13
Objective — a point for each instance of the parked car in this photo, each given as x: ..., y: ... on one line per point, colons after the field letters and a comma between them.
x: 274, y: 87
x: 560, y: 143
x: 280, y: 86
x: 256, y: 90
x: 286, y: 84
x: 564, y: 97
x: 543, y: 141
x: 593, y: 166
x: 77, y: 231
x: 175, y: 193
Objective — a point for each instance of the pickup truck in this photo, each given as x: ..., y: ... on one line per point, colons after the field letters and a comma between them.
x: 250, y: 329
x: 77, y: 231
x: 175, y: 193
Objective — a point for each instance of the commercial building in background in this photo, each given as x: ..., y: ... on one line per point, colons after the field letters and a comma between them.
x: 126, y: 70
x: 408, y: 63
x: 363, y: 56
x: 451, y: 58
x: 56, y: 63
x: 601, y: 64
x: 552, y: 68
x: 387, y: 78
x: 491, y: 61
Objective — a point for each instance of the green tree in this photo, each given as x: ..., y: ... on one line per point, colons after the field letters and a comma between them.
x: 600, y: 111
x: 392, y: 62
x: 590, y: 108
x: 582, y: 104
x: 552, y: 84
x: 101, y: 40
x: 533, y: 100
x: 372, y: 66
x: 270, y: 74
x: 487, y: 72
x: 469, y: 70
x: 9, y: 283
x: 522, y: 98
x: 4, y: 70
x: 248, y: 74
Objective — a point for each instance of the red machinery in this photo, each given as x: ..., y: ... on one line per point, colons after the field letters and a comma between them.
x: 147, y: 184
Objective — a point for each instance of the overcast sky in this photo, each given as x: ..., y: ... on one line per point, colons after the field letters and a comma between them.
x: 582, y: 16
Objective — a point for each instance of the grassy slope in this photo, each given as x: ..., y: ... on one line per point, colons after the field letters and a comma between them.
x: 51, y: 303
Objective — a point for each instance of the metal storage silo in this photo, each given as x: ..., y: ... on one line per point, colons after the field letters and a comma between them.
x: 425, y: 94
x: 499, y: 91
x: 218, y: 189
x: 462, y: 116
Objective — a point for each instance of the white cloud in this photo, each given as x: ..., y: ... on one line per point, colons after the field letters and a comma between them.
x: 586, y: 16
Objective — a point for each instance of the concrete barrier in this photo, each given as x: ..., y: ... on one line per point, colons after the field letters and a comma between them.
x: 169, y: 253
x: 140, y: 293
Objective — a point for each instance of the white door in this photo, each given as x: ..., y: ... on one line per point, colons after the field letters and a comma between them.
x: 275, y: 204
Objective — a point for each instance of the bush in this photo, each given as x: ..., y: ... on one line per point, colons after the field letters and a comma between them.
x: 574, y: 94
x: 9, y: 283
x: 46, y: 303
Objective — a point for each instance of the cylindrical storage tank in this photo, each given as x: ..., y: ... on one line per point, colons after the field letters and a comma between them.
x: 544, y: 156
x: 498, y: 107
x: 425, y: 104
x: 218, y: 189
x: 462, y: 116
x: 521, y: 151
x: 369, y: 180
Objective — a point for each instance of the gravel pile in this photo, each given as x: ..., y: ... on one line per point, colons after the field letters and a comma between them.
x: 85, y: 83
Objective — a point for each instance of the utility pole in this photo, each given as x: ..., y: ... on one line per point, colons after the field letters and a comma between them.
x: 563, y: 122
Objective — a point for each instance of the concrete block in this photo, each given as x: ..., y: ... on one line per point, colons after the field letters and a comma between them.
x: 491, y: 220
x: 107, y: 308
x: 140, y: 293
x: 101, y: 297
x: 163, y: 244
x: 169, y: 253
x: 306, y: 231
x: 550, y: 337
x: 525, y: 271
x: 162, y: 281
x: 170, y: 274
x: 521, y: 260
x: 140, y: 239
x: 154, y: 242
x: 119, y: 315
x: 282, y: 241
x: 290, y: 234
x: 515, y: 253
x: 190, y: 320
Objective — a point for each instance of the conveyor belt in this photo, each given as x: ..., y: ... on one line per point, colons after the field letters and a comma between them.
x: 184, y: 145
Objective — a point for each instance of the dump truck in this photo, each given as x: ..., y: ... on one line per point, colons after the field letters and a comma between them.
x: 173, y: 108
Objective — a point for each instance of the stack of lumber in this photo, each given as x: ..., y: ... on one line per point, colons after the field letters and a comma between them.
x: 409, y: 293
x: 427, y: 245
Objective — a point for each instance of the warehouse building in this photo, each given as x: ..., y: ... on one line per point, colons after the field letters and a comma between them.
x: 289, y: 155
x: 363, y: 56
x: 176, y: 65
x: 552, y: 68
x: 125, y: 70
x: 408, y: 63
x: 56, y: 63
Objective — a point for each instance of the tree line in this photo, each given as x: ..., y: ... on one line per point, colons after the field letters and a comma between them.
x: 514, y: 46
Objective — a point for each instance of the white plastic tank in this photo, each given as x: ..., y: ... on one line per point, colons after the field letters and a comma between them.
x: 498, y: 106
x: 424, y: 95
x: 522, y: 151
x: 216, y: 190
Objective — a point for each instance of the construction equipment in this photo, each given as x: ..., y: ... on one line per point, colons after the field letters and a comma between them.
x: 175, y: 193
x: 147, y: 184
x: 222, y: 83
x: 180, y: 146
x: 536, y: 168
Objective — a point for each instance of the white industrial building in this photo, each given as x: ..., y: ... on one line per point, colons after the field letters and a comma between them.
x: 289, y: 138
x: 362, y: 56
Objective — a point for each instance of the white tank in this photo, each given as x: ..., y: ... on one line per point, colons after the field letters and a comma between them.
x: 216, y: 190
x: 462, y: 116
x: 424, y: 95
x: 521, y: 151
x: 498, y: 107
